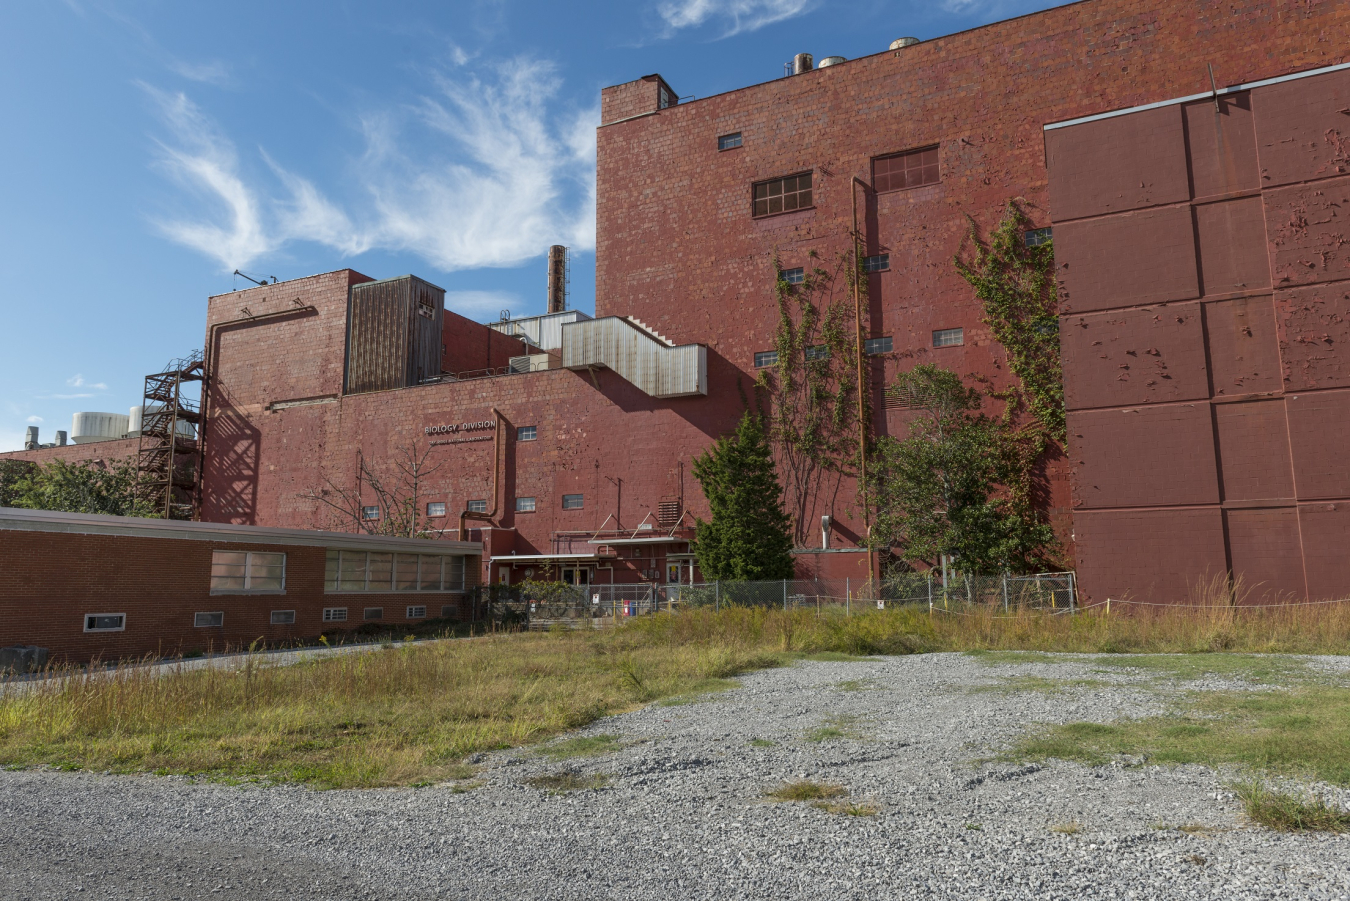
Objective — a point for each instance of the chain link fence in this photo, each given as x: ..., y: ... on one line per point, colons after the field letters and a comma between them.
x: 543, y: 605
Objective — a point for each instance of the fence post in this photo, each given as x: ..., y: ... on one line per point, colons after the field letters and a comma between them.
x: 930, y: 592
x: 1005, y: 594
x: 785, y: 595
x: 717, y: 595
x: 848, y: 598
x: 1073, y: 592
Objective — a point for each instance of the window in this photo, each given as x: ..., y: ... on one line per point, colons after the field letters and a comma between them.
x: 373, y: 613
x: 665, y: 98
x: 369, y: 513
x: 335, y: 614
x: 1036, y: 237
x: 766, y: 358
x: 208, y: 620
x: 873, y: 346
x: 727, y: 142
x: 782, y: 195
x: 817, y: 352
x: 911, y: 169
x: 573, y: 501
x: 879, y: 263
x: 477, y: 506
x: 105, y: 622
x: 283, y: 617
x: 419, y: 612
x: 526, y: 433
x: 794, y: 276
x: 524, y: 505
x: 436, y: 508
x: 378, y: 572
x: 235, y: 572
x: 447, y: 611
x: 948, y: 337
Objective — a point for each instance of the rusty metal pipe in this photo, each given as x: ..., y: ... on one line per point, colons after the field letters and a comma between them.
x: 498, y: 464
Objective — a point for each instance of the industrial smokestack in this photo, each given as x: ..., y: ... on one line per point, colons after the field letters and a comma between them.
x: 30, y: 438
x: 557, y: 278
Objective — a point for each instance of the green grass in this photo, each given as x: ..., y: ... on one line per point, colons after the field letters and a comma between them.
x: 761, y: 743
x: 705, y: 690
x: 855, y: 685
x: 1259, y: 669
x: 567, y: 781
x: 1304, y: 731
x: 1000, y: 658
x: 847, y: 808
x: 1290, y: 813
x: 835, y: 728
x: 586, y: 746
x: 1019, y: 684
x: 806, y: 791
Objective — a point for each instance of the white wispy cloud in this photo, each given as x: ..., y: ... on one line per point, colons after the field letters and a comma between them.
x: 68, y: 396
x: 734, y: 16
x: 215, y: 72
x: 35, y: 419
x: 498, y: 173
x: 77, y: 381
x: 484, y: 306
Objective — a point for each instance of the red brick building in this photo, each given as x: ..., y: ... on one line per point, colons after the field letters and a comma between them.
x: 584, y: 469
x: 117, y: 587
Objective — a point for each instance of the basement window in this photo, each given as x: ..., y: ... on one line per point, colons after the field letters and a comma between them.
x: 766, y: 358
x: 436, y: 508
x: 782, y: 195
x: 573, y: 501
x: 370, y: 513
x: 874, y: 346
x: 879, y: 263
x: 729, y: 142
x: 794, y: 276
x: 911, y: 169
x: 949, y: 337
x: 477, y: 507
x: 335, y: 614
x: 1037, y: 236
x: 105, y: 622
x: 419, y: 612
x: 208, y: 620
x: 373, y: 613
x: 524, y: 505
x: 246, y: 572
x: 527, y: 433
x: 283, y: 617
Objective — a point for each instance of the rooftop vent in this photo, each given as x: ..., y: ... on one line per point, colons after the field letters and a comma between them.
x: 902, y: 43
x: 803, y: 62
x: 831, y: 61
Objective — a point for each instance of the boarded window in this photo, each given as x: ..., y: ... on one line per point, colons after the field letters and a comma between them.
x: 911, y: 169
x: 782, y: 195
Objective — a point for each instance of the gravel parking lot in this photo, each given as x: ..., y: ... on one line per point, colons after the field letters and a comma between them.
x: 683, y: 813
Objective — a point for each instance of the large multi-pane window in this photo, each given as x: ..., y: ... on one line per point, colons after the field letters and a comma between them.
x: 782, y: 195
x: 911, y: 169
x: 233, y: 572
x: 477, y: 506
x: 882, y: 345
x: 376, y: 571
x: 765, y: 358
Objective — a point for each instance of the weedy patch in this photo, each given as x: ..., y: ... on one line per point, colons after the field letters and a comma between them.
x: 762, y: 743
x: 856, y: 685
x: 806, y: 791
x: 463, y: 788
x: 1072, y: 827
x: 835, y: 728
x: 847, y: 808
x: 705, y: 690
x: 999, y: 658
x: 974, y: 827
x: 1020, y: 684
x: 1286, y: 812
x: 585, y: 746
x: 568, y: 781
x: 1260, y: 669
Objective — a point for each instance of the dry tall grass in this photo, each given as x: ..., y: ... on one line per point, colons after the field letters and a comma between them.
x: 411, y: 714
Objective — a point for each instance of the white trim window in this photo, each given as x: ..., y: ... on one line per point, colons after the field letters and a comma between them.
x: 335, y: 614
x: 105, y: 622
x: 247, y: 572
x: 417, y: 612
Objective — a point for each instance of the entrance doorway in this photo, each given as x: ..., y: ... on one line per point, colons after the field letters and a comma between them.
x: 579, y: 576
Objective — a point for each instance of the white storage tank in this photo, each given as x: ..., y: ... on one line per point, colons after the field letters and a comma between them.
x: 86, y: 428
x: 137, y: 423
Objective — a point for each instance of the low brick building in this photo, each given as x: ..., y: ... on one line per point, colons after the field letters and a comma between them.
x: 113, y: 587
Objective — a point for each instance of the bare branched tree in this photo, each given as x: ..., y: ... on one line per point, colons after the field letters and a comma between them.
x: 396, y: 490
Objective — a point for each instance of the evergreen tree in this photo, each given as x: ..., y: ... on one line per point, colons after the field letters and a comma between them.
x: 749, y: 536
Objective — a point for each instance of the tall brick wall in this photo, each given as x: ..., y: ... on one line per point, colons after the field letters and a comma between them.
x: 1204, y: 298
x: 471, y: 346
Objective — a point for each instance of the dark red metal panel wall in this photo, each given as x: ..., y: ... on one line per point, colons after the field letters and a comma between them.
x: 1204, y: 310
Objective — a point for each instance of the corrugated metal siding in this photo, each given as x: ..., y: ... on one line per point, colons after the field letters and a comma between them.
x: 542, y: 331
x: 655, y: 368
x: 389, y: 343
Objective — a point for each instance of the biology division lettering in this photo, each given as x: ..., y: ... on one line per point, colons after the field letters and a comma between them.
x: 461, y: 427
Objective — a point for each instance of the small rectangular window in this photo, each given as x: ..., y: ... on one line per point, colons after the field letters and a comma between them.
x: 873, y: 346
x: 911, y: 169
x: 283, y: 617
x: 524, y: 505
x: 781, y: 195
x: 373, y: 613
x: 1037, y: 236
x: 817, y: 352
x: 208, y: 620
x: 419, y: 612
x: 335, y: 614
x: 766, y: 358
x: 447, y: 611
x: 105, y: 622
x: 727, y: 142
x: 247, y: 571
x: 665, y: 98
x: 436, y: 508
x: 573, y: 501
x: 879, y: 263
x: 526, y: 433
x: 794, y: 276
x: 370, y: 513
x: 477, y: 506
x: 948, y: 337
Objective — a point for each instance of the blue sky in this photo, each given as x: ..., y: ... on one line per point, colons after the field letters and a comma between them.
x: 151, y: 147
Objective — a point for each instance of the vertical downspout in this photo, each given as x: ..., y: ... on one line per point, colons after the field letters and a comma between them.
x: 862, y: 406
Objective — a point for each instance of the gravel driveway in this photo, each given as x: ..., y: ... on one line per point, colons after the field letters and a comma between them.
x: 683, y: 815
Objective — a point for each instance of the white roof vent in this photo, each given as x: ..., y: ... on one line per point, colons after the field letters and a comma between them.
x: 831, y: 61
x: 902, y: 43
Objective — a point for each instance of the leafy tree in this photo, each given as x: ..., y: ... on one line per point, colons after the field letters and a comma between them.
x: 942, y: 490
x: 11, y: 471
x: 749, y: 536
x: 84, y: 487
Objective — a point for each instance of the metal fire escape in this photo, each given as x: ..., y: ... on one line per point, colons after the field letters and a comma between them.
x: 169, y: 458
